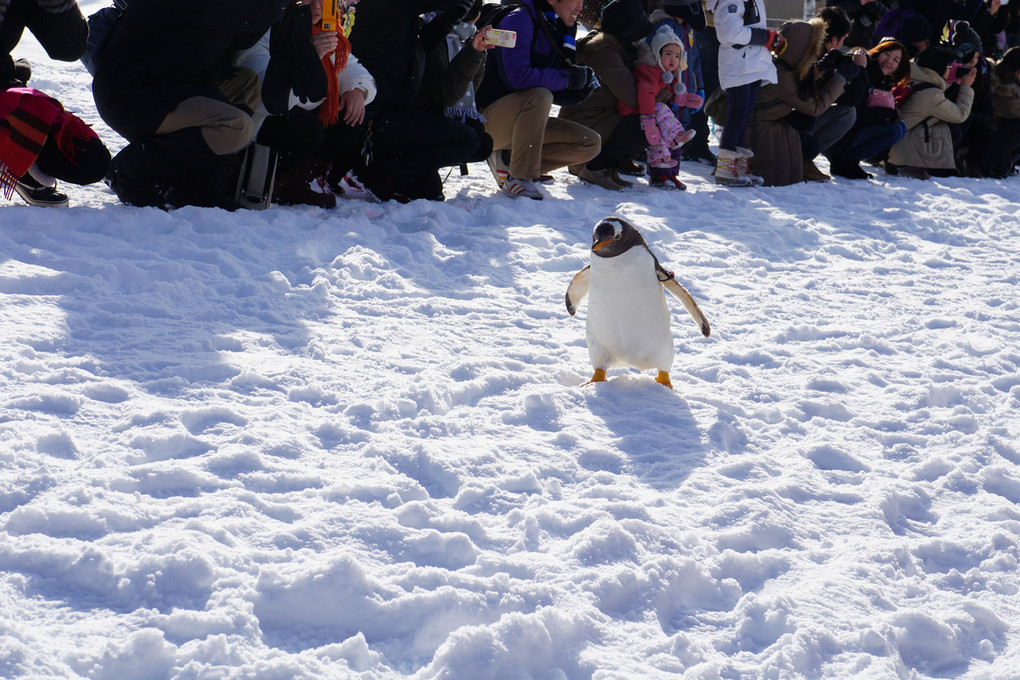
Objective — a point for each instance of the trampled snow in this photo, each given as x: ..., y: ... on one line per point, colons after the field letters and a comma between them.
x: 356, y: 443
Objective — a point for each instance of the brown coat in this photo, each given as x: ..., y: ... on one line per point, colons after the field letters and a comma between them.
x: 775, y: 143
x: 605, y: 55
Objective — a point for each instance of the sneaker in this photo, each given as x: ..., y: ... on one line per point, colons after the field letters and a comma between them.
x: 40, y: 195
x: 499, y: 164
x: 667, y: 182
x: 515, y: 187
x: 600, y: 178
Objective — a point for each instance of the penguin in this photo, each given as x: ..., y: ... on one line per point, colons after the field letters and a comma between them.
x: 628, y: 322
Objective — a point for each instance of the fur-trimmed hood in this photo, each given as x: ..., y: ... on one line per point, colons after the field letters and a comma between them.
x: 803, y: 45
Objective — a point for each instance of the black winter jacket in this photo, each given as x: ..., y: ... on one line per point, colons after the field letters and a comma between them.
x: 63, y: 35
x: 162, y: 52
x: 391, y: 41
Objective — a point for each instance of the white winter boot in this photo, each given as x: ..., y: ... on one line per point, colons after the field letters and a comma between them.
x: 744, y: 168
x: 726, y: 170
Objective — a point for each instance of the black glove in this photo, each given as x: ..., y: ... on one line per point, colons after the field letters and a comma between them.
x: 848, y: 70
x: 579, y: 77
x: 830, y: 61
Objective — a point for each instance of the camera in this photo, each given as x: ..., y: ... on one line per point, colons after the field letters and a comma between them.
x: 832, y: 60
x: 964, y: 52
x: 956, y: 72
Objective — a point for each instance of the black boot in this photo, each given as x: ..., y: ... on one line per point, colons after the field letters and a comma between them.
x: 293, y: 184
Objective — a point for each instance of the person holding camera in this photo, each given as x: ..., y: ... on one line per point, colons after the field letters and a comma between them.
x: 453, y: 72
x: 929, y: 146
x: 520, y: 87
x: 40, y: 142
x: 407, y: 145
x: 780, y: 132
x: 878, y: 125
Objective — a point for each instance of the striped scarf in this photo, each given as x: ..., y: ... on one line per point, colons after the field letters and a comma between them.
x: 29, y: 117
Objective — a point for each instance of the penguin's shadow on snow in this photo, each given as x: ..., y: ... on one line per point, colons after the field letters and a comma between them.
x: 653, y: 428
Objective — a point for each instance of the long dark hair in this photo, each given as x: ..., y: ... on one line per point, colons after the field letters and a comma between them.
x: 902, y: 74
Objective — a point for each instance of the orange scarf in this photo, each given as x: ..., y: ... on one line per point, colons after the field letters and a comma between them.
x: 333, y: 63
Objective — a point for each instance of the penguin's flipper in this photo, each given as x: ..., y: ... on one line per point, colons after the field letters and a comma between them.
x: 670, y: 283
x: 577, y: 291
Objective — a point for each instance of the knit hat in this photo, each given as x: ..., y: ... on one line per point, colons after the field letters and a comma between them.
x: 626, y: 19
x: 914, y: 28
x: 665, y: 36
x: 690, y: 11
x: 935, y: 57
x: 963, y: 35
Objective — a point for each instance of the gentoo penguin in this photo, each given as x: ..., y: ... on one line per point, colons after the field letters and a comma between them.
x: 628, y: 323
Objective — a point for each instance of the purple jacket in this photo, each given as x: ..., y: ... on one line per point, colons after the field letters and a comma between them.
x: 533, y: 62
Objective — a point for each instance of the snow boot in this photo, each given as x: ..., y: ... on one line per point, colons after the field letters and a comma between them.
x: 726, y: 171
x: 743, y: 166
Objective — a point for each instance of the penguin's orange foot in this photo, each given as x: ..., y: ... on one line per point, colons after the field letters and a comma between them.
x: 598, y: 376
x: 663, y: 379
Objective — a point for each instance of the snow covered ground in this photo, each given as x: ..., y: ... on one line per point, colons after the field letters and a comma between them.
x: 307, y: 444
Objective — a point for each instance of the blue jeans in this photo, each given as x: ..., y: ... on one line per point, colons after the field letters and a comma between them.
x: 874, y: 139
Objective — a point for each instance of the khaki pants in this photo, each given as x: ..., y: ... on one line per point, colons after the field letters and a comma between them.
x: 226, y: 129
x: 520, y: 122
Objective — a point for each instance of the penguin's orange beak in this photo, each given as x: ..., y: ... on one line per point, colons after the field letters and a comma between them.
x: 601, y: 243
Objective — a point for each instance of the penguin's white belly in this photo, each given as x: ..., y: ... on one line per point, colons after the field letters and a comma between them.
x: 628, y: 322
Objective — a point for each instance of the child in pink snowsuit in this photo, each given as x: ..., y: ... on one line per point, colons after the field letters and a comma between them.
x: 658, y: 82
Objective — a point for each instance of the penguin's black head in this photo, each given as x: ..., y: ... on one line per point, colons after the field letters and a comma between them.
x: 614, y: 236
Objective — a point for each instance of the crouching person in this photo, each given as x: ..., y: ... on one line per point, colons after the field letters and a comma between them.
x: 39, y: 141
x: 314, y: 93
x: 163, y: 81
x: 520, y: 87
x: 928, y: 148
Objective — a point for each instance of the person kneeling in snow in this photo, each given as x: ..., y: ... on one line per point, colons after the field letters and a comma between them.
x: 40, y: 142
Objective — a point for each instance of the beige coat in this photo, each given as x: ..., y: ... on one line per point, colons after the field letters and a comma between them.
x: 776, y: 145
x: 927, y: 114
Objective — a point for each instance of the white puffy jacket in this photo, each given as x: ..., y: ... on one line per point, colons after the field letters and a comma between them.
x: 740, y: 62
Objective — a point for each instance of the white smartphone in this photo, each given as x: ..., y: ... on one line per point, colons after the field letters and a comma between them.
x: 495, y: 36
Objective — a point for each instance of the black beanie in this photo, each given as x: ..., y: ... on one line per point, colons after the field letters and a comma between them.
x: 626, y: 19
x: 914, y: 28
